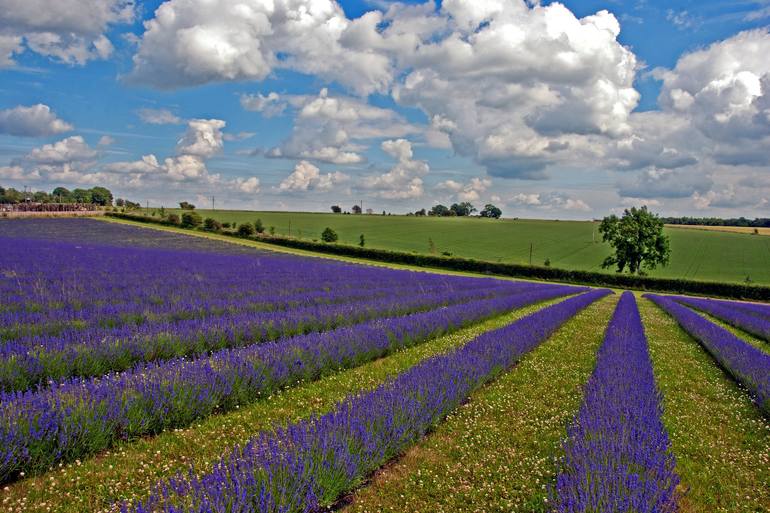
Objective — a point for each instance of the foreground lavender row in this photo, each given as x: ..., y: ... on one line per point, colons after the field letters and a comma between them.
x: 734, y: 313
x: 79, y: 417
x: 747, y: 364
x: 308, y: 465
x: 617, y: 454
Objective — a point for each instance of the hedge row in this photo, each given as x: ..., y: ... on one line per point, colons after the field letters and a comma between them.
x: 671, y: 285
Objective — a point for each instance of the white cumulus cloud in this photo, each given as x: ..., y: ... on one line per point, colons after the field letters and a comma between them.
x: 33, y: 121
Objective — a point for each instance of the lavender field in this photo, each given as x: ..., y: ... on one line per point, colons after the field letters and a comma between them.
x: 146, y: 371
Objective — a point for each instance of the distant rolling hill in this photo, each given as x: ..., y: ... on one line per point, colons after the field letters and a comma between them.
x: 696, y: 254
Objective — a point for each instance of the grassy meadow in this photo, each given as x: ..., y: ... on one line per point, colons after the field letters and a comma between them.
x: 695, y: 254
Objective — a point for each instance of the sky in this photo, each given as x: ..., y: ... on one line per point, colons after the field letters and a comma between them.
x: 565, y: 110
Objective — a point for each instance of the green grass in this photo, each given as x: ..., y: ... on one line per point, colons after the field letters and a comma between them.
x: 719, y: 437
x: 696, y: 254
x: 496, y: 453
x: 129, y: 470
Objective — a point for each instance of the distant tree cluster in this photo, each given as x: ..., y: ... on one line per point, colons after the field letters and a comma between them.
x: 96, y: 195
x: 759, y: 222
x: 462, y: 210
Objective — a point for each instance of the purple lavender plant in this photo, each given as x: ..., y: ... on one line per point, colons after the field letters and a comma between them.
x: 747, y: 364
x: 308, y: 465
x: 740, y: 315
x: 78, y: 417
x: 617, y: 455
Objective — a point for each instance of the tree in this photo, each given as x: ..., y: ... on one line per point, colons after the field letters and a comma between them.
x: 172, y: 219
x: 329, y: 235
x: 638, y: 240
x: 258, y: 226
x: 361, y: 241
x: 101, y: 196
x: 186, y: 206
x: 81, y: 196
x: 246, y: 229
x: 491, y: 211
x: 336, y: 209
x: 439, y: 210
x: 62, y: 195
x: 356, y: 209
x: 420, y: 212
x: 191, y: 220
x: 462, y: 209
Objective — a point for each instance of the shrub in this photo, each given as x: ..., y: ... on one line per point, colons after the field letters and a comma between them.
x: 361, y: 241
x: 212, y: 224
x: 246, y: 230
x: 272, y: 230
x: 172, y: 219
x: 329, y: 235
x: 191, y: 220
x: 547, y: 262
x: 258, y: 226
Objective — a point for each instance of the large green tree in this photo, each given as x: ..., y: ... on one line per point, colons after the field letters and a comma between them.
x: 638, y: 240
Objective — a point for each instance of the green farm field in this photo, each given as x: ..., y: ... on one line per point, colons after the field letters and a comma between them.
x: 695, y: 254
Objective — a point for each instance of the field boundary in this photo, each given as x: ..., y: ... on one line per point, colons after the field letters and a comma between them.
x: 643, y: 283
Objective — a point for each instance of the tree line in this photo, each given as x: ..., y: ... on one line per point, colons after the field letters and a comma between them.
x: 455, y: 210
x: 759, y: 222
x: 96, y: 196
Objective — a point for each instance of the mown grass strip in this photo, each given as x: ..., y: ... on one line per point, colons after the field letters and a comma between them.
x: 497, y: 452
x: 129, y: 470
x: 719, y: 437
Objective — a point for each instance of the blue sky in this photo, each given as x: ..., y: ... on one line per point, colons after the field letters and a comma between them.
x: 554, y: 110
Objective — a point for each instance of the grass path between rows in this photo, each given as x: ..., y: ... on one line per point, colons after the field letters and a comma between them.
x: 496, y: 453
x: 719, y: 437
x: 129, y: 470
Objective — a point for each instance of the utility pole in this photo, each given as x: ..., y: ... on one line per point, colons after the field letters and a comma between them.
x: 289, y: 227
x: 147, y: 207
x: 530, y: 253
x: 212, y: 203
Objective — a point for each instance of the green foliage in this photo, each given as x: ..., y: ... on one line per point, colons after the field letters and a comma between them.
x: 356, y: 209
x: 547, y: 262
x: 361, y: 241
x: 172, y: 219
x: 439, y: 211
x: 272, y: 230
x: 329, y: 235
x: 191, y: 220
x: 186, y: 206
x: 245, y: 229
x: 462, y: 209
x: 258, y: 226
x: 101, y: 196
x: 212, y: 224
x: 336, y: 209
x: 491, y: 211
x: 638, y: 240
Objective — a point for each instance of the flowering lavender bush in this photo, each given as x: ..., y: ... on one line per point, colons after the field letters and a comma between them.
x: 81, y: 416
x: 747, y: 364
x: 77, y: 310
x: 617, y: 452
x: 745, y: 316
x: 309, y: 464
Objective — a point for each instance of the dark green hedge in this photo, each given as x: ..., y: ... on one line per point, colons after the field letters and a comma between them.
x: 706, y: 288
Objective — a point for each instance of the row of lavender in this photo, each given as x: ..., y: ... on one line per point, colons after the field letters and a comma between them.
x: 749, y: 365
x: 46, y: 282
x: 617, y: 455
x: 96, y: 352
x: 753, y: 318
x: 78, y: 417
x: 309, y: 464
x: 73, y: 286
